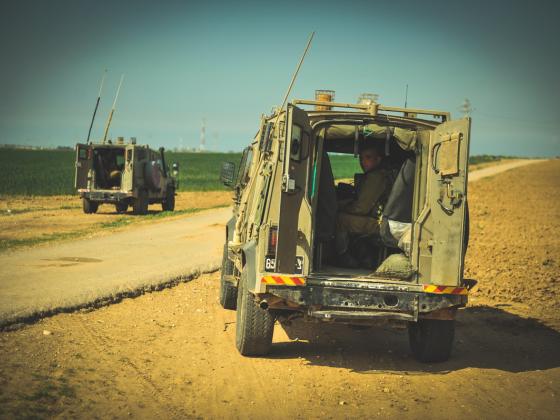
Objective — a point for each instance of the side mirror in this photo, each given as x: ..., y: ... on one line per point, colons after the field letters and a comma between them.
x: 175, y: 169
x: 227, y: 173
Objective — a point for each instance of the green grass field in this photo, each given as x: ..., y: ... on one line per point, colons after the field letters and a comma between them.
x: 51, y: 172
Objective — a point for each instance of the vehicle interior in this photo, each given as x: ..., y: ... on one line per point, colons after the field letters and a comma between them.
x: 108, y: 164
x: 341, y: 141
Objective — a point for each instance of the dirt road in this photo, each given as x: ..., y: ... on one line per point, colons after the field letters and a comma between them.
x: 75, y: 274
x: 171, y: 354
x: 492, y: 170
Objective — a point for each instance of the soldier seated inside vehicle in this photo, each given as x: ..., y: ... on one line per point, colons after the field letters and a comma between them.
x: 109, y: 165
x: 360, y: 214
x: 397, y: 213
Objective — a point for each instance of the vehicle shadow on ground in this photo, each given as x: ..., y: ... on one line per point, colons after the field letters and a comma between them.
x: 485, y: 337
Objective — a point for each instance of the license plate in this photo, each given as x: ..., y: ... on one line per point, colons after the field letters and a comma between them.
x: 270, y: 264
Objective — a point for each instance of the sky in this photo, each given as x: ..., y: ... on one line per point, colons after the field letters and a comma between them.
x: 228, y: 62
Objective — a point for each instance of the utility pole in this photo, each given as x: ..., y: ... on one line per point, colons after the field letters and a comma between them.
x: 202, y: 146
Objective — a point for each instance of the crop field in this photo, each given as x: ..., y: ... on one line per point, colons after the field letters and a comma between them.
x: 51, y: 172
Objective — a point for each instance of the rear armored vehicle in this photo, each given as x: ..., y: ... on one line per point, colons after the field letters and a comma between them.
x: 125, y: 175
x: 122, y: 174
x: 287, y: 254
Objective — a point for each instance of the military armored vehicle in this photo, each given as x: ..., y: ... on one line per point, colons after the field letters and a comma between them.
x: 124, y: 174
x: 278, y: 263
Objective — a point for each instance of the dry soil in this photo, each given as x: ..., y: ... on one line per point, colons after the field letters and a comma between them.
x: 27, y: 221
x: 171, y: 354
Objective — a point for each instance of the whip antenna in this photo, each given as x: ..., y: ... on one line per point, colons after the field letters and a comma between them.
x: 297, y: 71
x: 112, y: 110
x: 96, y: 105
x: 406, y: 96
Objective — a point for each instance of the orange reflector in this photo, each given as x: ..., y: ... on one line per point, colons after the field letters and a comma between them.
x: 445, y: 290
x: 283, y: 280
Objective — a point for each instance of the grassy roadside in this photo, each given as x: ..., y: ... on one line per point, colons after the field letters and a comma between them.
x: 117, y: 224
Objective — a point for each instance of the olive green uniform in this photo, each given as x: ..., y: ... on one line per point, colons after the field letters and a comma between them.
x: 359, y: 216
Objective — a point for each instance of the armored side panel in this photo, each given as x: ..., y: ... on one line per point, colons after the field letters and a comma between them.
x: 83, y: 164
x: 141, y: 156
x: 439, y: 229
x: 294, y: 226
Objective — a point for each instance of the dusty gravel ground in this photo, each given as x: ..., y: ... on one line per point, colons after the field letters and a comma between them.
x: 171, y: 354
x: 28, y: 220
x: 514, y: 251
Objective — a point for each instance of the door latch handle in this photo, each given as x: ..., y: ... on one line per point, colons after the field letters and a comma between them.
x: 455, y: 199
x: 288, y: 184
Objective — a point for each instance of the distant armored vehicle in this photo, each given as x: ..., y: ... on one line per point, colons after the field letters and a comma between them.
x: 124, y: 175
x: 280, y: 259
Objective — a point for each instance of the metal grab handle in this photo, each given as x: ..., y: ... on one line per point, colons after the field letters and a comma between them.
x: 448, y: 210
x: 435, y: 151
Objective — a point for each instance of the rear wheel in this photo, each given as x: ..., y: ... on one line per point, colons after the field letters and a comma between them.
x: 89, y: 206
x: 169, y: 202
x: 228, y: 292
x: 255, y: 326
x: 121, y: 206
x: 140, y: 204
x: 431, y: 340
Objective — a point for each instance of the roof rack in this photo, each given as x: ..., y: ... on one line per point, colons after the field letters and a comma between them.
x: 373, y: 108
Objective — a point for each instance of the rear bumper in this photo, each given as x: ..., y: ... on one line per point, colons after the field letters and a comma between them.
x: 350, y: 301
x: 105, y: 196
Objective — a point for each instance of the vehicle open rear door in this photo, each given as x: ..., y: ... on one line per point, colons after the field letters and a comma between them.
x: 441, y: 225
x: 295, y: 211
x: 83, y: 165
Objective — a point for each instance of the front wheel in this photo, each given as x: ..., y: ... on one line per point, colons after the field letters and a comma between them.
x: 169, y: 201
x: 255, y: 326
x: 431, y: 340
x: 89, y: 206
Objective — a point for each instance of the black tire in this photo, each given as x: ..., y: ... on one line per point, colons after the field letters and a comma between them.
x: 255, y: 326
x: 89, y: 206
x: 228, y: 292
x: 431, y: 340
x: 140, y: 203
x: 169, y: 202
x: 121, y: 206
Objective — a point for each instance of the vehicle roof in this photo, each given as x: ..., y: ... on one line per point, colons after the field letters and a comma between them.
x: 370, y: 112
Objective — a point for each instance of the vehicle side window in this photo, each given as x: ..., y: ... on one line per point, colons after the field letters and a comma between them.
x: 300, y: 144
x: 244, y: 166
x: 82, y: 153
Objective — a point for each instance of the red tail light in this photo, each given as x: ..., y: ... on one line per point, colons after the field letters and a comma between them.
x: 272, y: 240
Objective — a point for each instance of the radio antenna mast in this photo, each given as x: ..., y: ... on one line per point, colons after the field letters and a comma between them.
x: 112, y: 111
x: 406, y: 96
x: 96, y: 105
x: 295, y: 75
